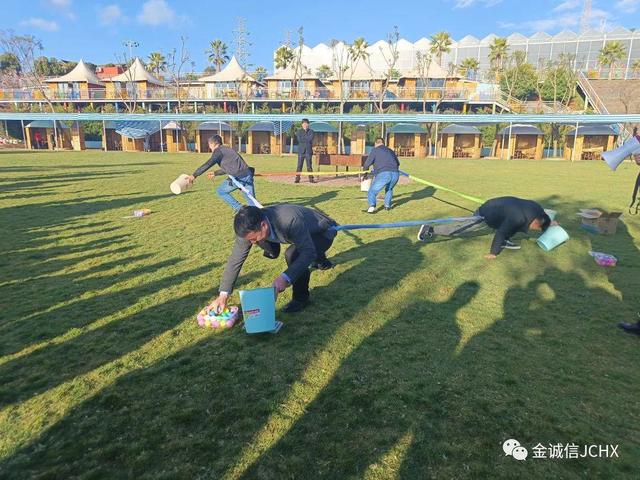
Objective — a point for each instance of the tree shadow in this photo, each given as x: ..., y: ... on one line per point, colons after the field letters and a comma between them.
x: 197, y: 399
x: 313, y: 200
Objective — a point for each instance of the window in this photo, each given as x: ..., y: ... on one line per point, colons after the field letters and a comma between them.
x: 284, y: 85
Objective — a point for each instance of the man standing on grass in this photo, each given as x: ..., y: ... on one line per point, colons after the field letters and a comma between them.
x: 308, y: 233
x: 232, y: 164
x: 385, y: 168
x: 305, y: 149
x: 506, y: 215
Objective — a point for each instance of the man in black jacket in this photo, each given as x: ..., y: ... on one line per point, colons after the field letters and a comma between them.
x: 231, y: 163
x: 385, y: 168
x: 305, y: 149
x: 506, y: 215
x: 309, y: 234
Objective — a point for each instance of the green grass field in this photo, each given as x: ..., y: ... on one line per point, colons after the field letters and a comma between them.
x: 414, y: 360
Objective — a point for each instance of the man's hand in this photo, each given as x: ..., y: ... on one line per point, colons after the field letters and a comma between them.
x: 490, y: 256
x: 191, y: 179
x: 219, y: 304
x: 636, y: 157
x: 210, y: 175
x: 280, y: 284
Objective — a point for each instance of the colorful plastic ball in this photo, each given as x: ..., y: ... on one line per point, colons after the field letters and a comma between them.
x: 223, y: 324
x: 207, y: 322
x: 215, y: 324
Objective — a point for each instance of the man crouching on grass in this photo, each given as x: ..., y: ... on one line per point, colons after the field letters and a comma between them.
x: 309, y: 234
x: 506, y: 215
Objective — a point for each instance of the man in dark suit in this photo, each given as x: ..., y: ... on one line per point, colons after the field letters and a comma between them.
x: 506, y: 215
x: 309, y: 234
x: 305, y: 149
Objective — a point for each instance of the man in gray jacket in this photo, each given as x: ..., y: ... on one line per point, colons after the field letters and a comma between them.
x: 305, y: 149
x: 230, y: 163
x: 309, y: 234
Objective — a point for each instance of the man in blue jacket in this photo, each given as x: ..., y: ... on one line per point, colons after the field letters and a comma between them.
x: 305, y: 149
x: 385, y: 168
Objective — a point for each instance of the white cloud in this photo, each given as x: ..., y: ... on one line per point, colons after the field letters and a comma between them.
x: 41, y: 23
x: 60, y: 3
x: 158, y: 12
x: 470, y: 3
x: 110, y: 14
x: 628, y: 6
x: 568, y: 5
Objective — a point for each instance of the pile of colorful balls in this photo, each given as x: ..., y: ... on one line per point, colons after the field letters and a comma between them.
x: 225, y: 319
x: 604, y: 259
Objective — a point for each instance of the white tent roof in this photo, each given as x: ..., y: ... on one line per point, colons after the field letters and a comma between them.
x: 80, y: 73
x: 361, y: 72
x: 435, y: 71
x: 233, y: 72
x: 137, y: 73
x: 288, y: 74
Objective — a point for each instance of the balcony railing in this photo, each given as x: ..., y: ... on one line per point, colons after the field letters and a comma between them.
x: 200, y: 93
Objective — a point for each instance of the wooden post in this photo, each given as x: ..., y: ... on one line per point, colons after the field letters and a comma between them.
x: 104, y: 137
x: 575, y: 138
x: 509, y: 142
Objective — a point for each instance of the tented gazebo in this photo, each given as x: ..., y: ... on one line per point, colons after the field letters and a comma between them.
x: 207, y: 130
x: 262, y: 139
x: 459, y: 141
x: 519, y: 141
x: 590, y: 142
x: 140, y: 135
x: 173, y: 135
x: 40, y: 135
x: 110, y: 139
x: 135, y: 82
x: 79, y: 83
x: 232, y: 81
x: 407, y: 140
x: 325, y: 138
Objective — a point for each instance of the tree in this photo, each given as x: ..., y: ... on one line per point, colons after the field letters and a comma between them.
x: 284, y: 57
x: 9, y: 63
x: 217, y: 53
x: 157, y: 62
x: 609, y: 55
x: 519, y: 78
x: 498, y: 52
x: 323, y: 72
x: 175, y: 65
x: 635, y: 67
x: 242, y: 54
x: 259, y: 73
x: 469, y: 64
x: 440, y: 44
x: 390, y: 58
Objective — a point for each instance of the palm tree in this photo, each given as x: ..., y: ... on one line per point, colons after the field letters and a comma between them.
x: 440, y: 44
x: 217, y: 53
x: 635, y: 67
x: 498, y: 52
x: 358, y: 50
x: 469, y: 64
x: 259, y: 73
x: 324, y: 71
x: 284, y: 57
x: 610, y: 54
x: 157, y: 62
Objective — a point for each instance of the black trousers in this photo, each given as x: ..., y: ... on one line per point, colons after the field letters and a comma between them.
x: 301, y: 160
x: 301, y: 284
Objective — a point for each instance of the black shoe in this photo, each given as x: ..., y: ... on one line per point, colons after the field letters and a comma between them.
x: 323, y: 265
x: 633, y: 328
x: 312, y: 180
x: 425, y: 233
x: 294, y: 306
x: 297, y: 180
x: 387, y: 208
x: 509, y: 245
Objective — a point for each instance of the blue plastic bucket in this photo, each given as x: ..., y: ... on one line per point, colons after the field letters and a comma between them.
x: 554, y: 236
x: 259, y: 309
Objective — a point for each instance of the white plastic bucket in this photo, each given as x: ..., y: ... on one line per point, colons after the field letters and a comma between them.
x: 554, y: 236
x: 180, y: 184
x: 365, y: 185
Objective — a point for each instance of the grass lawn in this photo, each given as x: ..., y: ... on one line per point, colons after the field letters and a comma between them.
x: 414, y: 360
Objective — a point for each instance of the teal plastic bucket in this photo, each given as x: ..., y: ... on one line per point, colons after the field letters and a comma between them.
x: 259, y: 309
x: 554, y: 236
x: 552, y: 213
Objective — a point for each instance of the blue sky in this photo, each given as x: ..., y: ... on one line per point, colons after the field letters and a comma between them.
x: 95, y: 31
